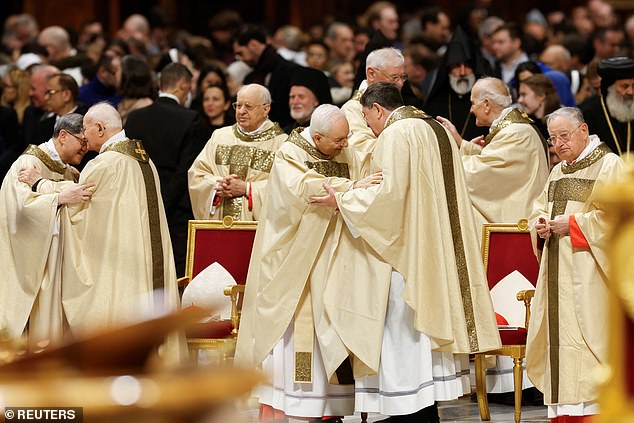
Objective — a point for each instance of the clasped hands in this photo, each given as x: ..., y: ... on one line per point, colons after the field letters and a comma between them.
x: 231, y: 186
x: 329, y: 199
x: 558, y: 226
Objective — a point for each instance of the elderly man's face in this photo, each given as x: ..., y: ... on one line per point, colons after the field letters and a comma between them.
x: 335, y: 140
x: 251, y: 111
x: 479, y: 108
x: 568, y: 137
x: 625, y: 88
x: 394, y: 74
x: 302, y: 102
x: 74, y: 147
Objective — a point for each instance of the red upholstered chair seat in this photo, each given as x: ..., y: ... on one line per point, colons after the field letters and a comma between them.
x: 216, y: 329
x: 513, y: 336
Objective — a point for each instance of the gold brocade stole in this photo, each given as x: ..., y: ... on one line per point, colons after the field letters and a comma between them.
x: 34, y: 150
x: 241, y: 158
x: 449, y: 180
x: 559, y: 193
x: 134, y: 149
x: 325, y: 164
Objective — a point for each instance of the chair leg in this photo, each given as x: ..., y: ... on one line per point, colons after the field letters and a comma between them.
x: 518, y: 372
x: 481, y: 387
x: 364, y: 417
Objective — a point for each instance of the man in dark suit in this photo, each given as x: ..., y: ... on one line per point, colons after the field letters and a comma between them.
x: 168, y: 130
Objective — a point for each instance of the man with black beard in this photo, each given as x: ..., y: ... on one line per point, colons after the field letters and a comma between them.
x: 449, y: 96
x: 610, y: 115
x: 309, y: 89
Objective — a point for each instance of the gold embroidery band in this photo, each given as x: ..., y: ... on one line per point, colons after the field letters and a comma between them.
x: 559, y: 193
x: 232, y: 206
x: 34, y: 150
x: 329, y: 168
x: 241, y: 158
x: 304, y: 338
x: 456, y: 233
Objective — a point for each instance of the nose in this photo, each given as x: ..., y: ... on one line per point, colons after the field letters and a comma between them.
x: 462, y: 69
x: 629, y: 90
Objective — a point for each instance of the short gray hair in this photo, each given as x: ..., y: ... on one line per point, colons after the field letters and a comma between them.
x: 106, y: 114
x: 495, y: 90
x: 573, y: 114
x: 384, y: 57
x: 72, y: 123
x: 489, y: 25
x: 265, y: 94
x: 323, y: 117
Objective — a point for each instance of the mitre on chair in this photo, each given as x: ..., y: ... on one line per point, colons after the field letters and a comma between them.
x: 206, y: 291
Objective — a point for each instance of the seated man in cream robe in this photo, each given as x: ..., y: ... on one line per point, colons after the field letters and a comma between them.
x: 504, y: 178
x: 438, y: 298
x: 567, y: 340
x: 117, y: 249
x: 284, y: 325
x: 30, y: 233
x: 382, y: 65
x: 228, y: 178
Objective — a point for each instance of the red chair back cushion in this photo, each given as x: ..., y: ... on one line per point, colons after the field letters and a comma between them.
x: 509, y: 251
x: 229, y: 247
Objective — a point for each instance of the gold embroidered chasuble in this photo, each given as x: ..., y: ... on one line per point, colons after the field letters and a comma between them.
x: 230, y: 151
x: 506, y: 175
x: 30, y: 240
x: 362, y: 138
x: 117, y: 248
x: 420, y: 221
x: 299, y: 255
x: 566, y: 340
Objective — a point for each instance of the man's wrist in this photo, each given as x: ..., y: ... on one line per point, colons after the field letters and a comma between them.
x: 34, y: 186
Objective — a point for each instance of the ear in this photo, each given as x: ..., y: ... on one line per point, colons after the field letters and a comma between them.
x: 370, y: 75
x: 267, y: 108
x: 227, y: 105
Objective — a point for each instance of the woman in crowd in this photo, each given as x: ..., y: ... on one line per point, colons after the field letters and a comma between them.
x: 137, y: 85
x: 15, y: 90
x: 214, y: 108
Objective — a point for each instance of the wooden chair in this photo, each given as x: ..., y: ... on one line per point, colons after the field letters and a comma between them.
x: 506, y: 248
x: 229, y: 243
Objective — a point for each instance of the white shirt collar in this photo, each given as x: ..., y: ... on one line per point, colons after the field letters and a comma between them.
x: 306, y: 135
x: 257, y: 131
x: 594, y: 143
x: 502, y: 116
x: 116, y: 137
x: 49, y: 147
x: 363, y: 86
x: 168, y: 95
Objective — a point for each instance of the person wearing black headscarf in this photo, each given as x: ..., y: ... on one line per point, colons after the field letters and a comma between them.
x: 309, y: 89
x: 610, y: 115
x: 450, y: 94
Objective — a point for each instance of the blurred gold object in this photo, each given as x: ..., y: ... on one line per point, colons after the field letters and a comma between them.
x: 617, y: 391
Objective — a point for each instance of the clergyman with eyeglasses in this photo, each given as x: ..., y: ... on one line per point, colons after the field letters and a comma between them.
x: 29, y: 232
x: 382, y: 65
x: 567, y: 344
x: 228, y: 178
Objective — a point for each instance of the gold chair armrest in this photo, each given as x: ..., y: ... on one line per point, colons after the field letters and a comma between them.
x: 234, y: 291
x: 526, y: 296
x: 183, y: 282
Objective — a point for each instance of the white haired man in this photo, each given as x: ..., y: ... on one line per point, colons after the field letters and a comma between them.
x: 284, y: 324
x: 567, y: 343
x: 30, y: 234
x: 382, y: 65
x: 117, y: 251
x: 228, y: 178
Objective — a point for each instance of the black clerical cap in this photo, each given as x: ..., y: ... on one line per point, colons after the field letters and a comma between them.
x: 614, y: 68
x: 315, y: 81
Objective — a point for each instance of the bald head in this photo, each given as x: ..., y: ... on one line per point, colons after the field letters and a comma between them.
x: 256, y: 91
x: 494, y: 90
x: 56, y: 41
x: 39, y: 77
x: 557, y: 57
x: 252, y: 106
x: 137, y: 26
x: 329, y: 129
x: 386, y: 65
x: 101, y: 122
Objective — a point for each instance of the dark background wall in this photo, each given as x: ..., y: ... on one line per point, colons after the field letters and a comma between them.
x: 194, y: 14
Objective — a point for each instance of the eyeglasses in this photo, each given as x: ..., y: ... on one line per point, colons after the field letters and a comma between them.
x: 49, y: 93
x: 564, y: 136
x: 81, y: 140
x: 394, y: 77
x: 248, y: 107
x: 337, y: 141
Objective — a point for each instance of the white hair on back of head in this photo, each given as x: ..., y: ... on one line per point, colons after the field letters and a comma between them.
x: 323, y: 117
x: 573, y: 114
x: 106, y: 114
x: 265, y: 94
x: 384, y: 57
x: 495, y: 90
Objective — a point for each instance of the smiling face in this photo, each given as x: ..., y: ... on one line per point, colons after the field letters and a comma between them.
x: 214, y: 103
x: 530, y: 101
x: 302, y: 102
